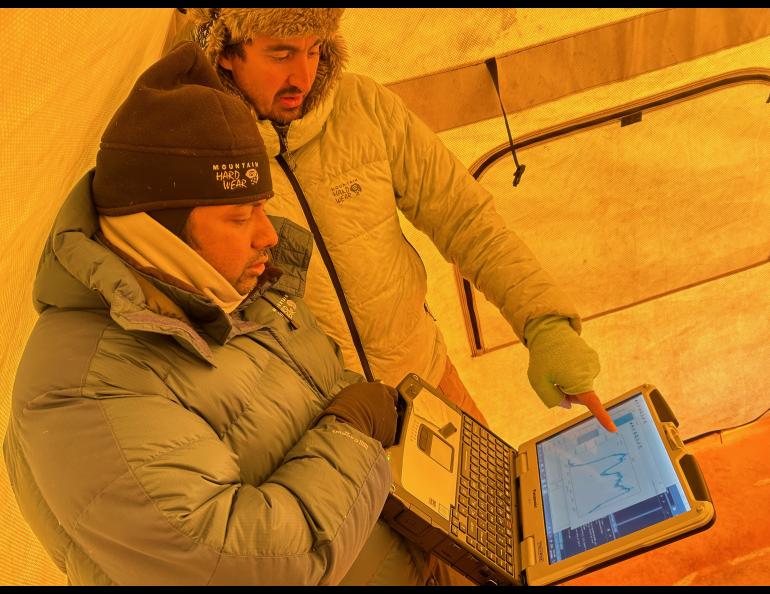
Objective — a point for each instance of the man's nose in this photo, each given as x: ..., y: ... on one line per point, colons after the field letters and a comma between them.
x: 264, y: 233
x: 302, y: 73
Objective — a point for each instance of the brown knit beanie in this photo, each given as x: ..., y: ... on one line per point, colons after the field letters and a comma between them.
x: 178, y: 141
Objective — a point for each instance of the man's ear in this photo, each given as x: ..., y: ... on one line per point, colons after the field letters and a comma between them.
x: 225, y: 62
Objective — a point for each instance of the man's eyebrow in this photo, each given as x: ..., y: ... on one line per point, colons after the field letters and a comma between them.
x: 286, y: 47
x: 247, y: 204
x: 254, y: 202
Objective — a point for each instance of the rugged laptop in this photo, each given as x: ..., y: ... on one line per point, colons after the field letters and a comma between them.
x: 565, y: 502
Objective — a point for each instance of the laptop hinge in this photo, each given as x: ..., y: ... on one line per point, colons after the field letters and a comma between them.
x: 521, y: 465
x: 527, y: 552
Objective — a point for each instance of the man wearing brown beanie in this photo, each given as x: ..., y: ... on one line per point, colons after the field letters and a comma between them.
x: 178, y: 417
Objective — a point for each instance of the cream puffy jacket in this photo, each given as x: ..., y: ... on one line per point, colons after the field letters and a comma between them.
x: 358, y: 156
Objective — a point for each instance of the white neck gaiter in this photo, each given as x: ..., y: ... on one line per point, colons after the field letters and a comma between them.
x: 150, y: 244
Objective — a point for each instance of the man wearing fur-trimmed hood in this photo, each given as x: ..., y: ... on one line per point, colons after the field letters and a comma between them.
x: 218, y: 38
x: 346, y: 153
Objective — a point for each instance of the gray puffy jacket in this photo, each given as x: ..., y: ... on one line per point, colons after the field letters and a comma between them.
x: 144, y: 449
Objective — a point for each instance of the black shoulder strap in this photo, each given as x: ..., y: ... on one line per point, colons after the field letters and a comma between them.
x: 329, y: 266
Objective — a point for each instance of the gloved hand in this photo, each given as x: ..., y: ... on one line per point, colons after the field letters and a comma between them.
x: 562, y: 367
x: 370, y: 407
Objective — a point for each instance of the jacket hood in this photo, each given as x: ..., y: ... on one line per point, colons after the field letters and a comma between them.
x: 216, y: 28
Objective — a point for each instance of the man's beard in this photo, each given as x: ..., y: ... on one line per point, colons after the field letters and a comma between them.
x: 246, y: 283
x: 285, y: 116
x: 281, y: 119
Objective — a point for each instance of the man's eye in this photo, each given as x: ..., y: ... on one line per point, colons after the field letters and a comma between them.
x: 281, y: 57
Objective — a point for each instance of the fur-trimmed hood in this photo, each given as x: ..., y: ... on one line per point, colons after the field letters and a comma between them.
x: 216, y: 28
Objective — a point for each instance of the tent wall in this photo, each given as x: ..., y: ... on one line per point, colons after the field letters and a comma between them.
x: 711, y: 379
x: 64, y: 73
x: 545, y: 72
x: 67, y: 70
x: 658, y: 214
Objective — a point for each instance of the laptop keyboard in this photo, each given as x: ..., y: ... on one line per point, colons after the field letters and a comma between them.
x: 483, y: 514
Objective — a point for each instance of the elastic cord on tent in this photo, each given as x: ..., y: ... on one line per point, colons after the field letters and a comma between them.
x: 492, y: 67
x: 754, y: 420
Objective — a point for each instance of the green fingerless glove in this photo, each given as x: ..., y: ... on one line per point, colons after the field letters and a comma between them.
x: 557, y: 355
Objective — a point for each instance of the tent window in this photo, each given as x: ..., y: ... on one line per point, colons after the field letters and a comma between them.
x: 620, y: 215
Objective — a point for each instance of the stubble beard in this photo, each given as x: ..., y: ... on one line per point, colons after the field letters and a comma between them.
x: 246, y: 282
x: 281, y: 115
x: 284, y: 116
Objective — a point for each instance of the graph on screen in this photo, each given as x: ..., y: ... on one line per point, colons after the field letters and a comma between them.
x: 598, y: 486
x: 614, y: 470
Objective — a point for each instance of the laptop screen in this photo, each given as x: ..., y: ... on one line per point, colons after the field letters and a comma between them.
x: 599, y: 486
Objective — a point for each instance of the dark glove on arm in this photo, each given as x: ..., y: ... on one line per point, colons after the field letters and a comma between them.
x: 370, y: 407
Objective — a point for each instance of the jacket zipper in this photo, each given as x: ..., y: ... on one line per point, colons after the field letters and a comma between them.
x: 416, y: 253
x: 299, y: 367
x: 282, y: 140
